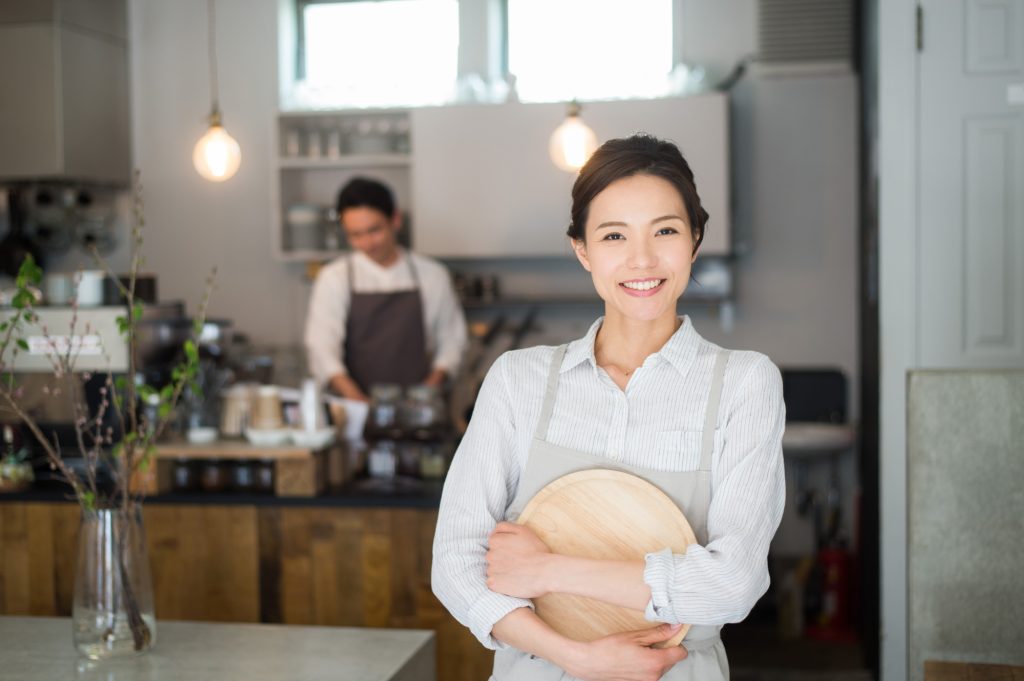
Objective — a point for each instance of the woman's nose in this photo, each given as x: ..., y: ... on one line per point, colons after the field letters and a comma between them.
x: 642, y: 253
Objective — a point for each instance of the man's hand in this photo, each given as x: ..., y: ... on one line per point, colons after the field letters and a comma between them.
x: 625, y: 657
x: 346, y: 387
x: 517, y: 561
x: 435, y: 378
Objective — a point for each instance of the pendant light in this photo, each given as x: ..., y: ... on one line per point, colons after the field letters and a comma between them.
x: 572, y: 142
x: 216, y: 155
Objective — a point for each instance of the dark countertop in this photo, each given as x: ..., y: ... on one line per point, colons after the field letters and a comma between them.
x: 397, y: 493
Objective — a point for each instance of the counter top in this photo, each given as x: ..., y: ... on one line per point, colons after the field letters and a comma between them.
x: 41, y: 648
x: 398, y: 493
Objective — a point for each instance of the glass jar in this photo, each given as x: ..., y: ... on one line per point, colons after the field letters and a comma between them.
x: 423, y: 413
x: 213, y: 476
x: 382, y: 460
x: 382, y: 422
x: 112, y: 609
x: 243, y: 476
x: 183, y: 476
x: 409, y: 455
x: 433, y: 462
x: 265, y: 476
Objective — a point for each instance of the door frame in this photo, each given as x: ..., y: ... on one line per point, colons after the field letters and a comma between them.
x: 898, y: 186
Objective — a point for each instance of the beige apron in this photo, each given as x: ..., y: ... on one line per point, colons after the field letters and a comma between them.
x: 690, y: 490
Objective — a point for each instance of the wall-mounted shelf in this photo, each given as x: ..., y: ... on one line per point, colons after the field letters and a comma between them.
x: 347, y: 161
x: 316, y: 153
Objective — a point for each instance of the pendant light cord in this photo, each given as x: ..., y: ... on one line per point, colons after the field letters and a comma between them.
x: 212, y: 25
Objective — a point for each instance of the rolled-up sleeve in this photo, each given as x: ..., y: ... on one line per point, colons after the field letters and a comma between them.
x: 477, y: 489
x: 720, y: 582
x: 325, y: 323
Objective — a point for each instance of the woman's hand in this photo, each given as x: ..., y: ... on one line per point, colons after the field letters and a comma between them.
x: 625, y: 657
x: 517, y: 561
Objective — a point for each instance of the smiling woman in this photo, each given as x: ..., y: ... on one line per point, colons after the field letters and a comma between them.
x: 641, y: 393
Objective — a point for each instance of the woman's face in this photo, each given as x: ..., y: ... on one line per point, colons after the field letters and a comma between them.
x: 638, y: 247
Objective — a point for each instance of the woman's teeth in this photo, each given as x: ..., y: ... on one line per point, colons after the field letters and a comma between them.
x: 643, y: 285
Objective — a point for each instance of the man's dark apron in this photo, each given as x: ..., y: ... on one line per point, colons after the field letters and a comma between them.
x: 385, y: 341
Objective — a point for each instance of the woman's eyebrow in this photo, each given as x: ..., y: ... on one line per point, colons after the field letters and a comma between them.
x: 667, y: 217
x: 603, y: 225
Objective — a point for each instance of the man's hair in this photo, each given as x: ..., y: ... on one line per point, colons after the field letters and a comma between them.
x: 362, y: 191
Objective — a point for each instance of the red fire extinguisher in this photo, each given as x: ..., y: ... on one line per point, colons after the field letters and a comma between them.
x: 833, y: 619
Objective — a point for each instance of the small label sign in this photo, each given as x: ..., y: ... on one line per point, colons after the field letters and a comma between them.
x: 88, y: 344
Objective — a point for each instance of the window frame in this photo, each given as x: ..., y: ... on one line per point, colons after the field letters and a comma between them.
x: 496, y: 44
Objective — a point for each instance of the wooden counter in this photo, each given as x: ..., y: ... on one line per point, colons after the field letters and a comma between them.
x: 279, y: 564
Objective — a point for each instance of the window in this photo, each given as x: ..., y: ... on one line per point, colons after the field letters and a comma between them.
x: 565, y: 49
x: 378, y: 53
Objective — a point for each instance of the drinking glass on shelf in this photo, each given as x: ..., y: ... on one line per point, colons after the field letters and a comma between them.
x: 334, y: 144
x: 402, y: 145
x: 314, y: 144
x: 291, y: 143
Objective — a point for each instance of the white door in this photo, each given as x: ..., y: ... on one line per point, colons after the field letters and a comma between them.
x: 971, y: 197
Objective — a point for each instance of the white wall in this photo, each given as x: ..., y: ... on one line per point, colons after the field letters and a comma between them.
x: 191, y: 224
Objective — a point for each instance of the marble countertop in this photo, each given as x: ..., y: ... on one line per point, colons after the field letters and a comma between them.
x: 41, y: 648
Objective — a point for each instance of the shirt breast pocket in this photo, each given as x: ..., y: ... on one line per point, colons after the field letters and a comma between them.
x: 679, y: 450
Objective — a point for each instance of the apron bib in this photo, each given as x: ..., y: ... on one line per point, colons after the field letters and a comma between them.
x: 690, y: 490
x: 385, y: 341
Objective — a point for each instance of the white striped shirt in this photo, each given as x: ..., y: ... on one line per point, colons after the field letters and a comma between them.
x: 655, y: 423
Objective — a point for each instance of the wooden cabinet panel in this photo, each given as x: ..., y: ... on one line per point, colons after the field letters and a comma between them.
x: 204, y: 561
x: 292, y: 565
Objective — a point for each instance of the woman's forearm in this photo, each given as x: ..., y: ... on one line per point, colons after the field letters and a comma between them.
x: 618, y: 582
x: 523, y: 630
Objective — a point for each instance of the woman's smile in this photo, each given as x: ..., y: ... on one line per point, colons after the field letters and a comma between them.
x: 642, y: 288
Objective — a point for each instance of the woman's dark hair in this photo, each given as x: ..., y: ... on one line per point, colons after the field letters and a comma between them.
x: 640, y: 154
x: 362, y: 191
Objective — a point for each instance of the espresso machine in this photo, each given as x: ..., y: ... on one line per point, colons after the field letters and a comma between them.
x: 93, y: 336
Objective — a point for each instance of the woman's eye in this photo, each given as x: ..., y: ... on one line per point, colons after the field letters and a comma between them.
x: 668, y: 230
x: 613, y: 236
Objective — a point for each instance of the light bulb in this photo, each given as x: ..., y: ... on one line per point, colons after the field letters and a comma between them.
x: 572, y: 143
x: 217, y: 155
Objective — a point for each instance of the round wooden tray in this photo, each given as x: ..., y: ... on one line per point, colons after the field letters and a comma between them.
x: 607, y: 515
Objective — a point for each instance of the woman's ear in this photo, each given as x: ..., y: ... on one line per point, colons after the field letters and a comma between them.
x: 579, y: 247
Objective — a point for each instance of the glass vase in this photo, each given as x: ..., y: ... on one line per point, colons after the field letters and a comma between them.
x: 112, y: 613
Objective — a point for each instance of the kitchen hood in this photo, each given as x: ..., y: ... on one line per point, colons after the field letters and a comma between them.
x: 64, y: 109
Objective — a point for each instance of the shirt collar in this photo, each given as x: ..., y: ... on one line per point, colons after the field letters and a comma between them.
x: 679, y: 350
x: 370, y: 263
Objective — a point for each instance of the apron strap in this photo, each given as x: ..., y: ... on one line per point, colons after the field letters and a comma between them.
x: 711, y: 413
x: 549, y: 393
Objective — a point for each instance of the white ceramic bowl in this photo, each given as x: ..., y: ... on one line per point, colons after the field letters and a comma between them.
x: 201, y: 436
x: 314, y: 439
x: 267, y: 437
